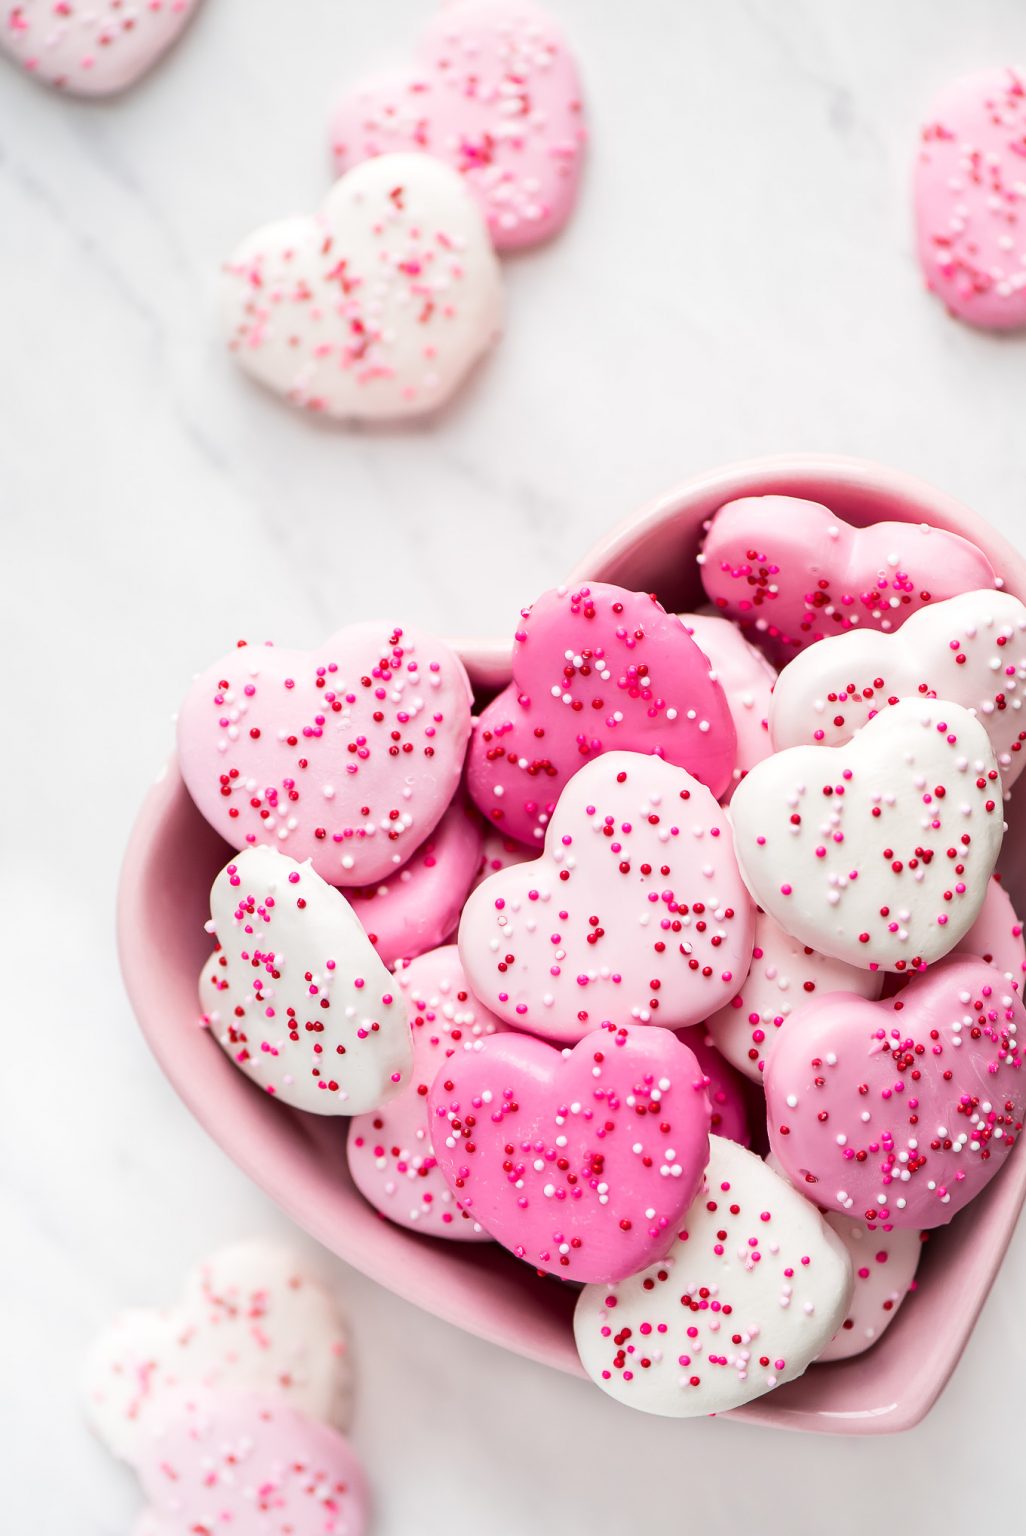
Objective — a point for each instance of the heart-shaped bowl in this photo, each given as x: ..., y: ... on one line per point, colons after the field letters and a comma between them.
x: 299, y: 1159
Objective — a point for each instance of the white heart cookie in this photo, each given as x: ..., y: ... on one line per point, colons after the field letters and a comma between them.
x: 251, y: 1318
x: 746, y: 677
x: 784, y: 974
x: 884, y: 1264
x: 296, y: 994
x: 91, y: 47
x: 877, y: 852
x: 754, y: 1288
x: 379, y: 305
x: 970, y: 649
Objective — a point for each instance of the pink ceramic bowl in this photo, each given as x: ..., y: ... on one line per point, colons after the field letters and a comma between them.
x: 299, y: 1159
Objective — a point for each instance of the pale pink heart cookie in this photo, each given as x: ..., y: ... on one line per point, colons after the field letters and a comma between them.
x: 634, y: 913
x: 91, y: 47
x: 997, y: 935
x: 747, y: 679
x: 791, y: 572
x: 595, y: 669
x: 495, y: 93
x: 419, y: 906
x: 390, y: 1154
x: 500, y: 852
x: 253, y: 1466
x: 752, y: 1290
x: 901, y: 1111
x: 725, y: 1088
x: 884, y: 1264
x: 970, y: 199
x: 347, y: 755
x: 784, y: 974
x: 252, y: 1318
x: 295, y: 994
x: 379, y: 305
x: 877, y: 852
x: 970, y: 649
x: 580, y: 1162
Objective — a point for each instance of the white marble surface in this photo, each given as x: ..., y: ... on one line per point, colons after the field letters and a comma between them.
x: 738, y: 281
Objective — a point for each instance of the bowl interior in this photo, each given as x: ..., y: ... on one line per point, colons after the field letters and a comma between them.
x: 299, y: 1159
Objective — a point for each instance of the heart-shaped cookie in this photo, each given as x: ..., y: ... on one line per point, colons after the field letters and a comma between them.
x: 877, y: 852
x: 295, y: 994
x: 595, y: 669
x: 728, y: 1094
x: 970, y: 199
x: 784, y: 974
x: 970, y: 649
x: 494, y: 92
x: 634, y: 913
x: 347, y: 755
x: 746, y: 677
x: 752, y: 1290
x: 379, y: 305
x: 997, y: 935
x: 253, y: 1466
x: 901, y: 1111
x: 791, y: 572
x: 884, y: 1264
x: 91, y: 47
x: 418, y: 907
x: 389, y: 1152
x: 580, y: 1162
x: 252, y: 1318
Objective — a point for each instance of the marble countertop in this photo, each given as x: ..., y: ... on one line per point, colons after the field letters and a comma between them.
x: 738, y: 281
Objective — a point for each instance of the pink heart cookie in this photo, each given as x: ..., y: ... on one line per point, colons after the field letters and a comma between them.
x: 970, y: 199
x: 252, y: 1318
x: 295, y: 995
x: 91, y: 47
x: 595, y: 669
x: 347, y: 755
x: 634, y: 913
x: 378, y: 306
x: 784, y: 974
x: 753, y: 1288
x: 791, y: 572
x: 726, y: 1089
x: 877, y: 852
x: 495, y: 94
x: 997, y: 935
x: 418, y: 907
x: 580, y: 1162
x: 970, y: 649
x: 884, y: 1264
x: 901, y: 1111
x: 747, y: 679
x: 389, y: 1152
x: 250, y: 1465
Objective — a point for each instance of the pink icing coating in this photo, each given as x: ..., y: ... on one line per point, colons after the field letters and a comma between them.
x: 389, y: 1152
x: 901, y: 1110
x: 970, y: 199
x: 997, y: 935
x: 728, y: 1093
x: 791, y: 572
x: 747, y: 679
x: 347, y: 755
x: 581, y: 1162
x: 495, y: 93
x: 595, y: 669
x: 91, y: 47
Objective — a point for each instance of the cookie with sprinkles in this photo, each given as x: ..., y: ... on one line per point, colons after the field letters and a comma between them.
x: 249, y: 1464
x: 746, y: 677
x: 389, y: 1151
x: 970, y: 199
x: 901, y: 1111
x: 997, y: 935
x: 347, y: 755
x: 970, y: 649
x: 884, y: 1264
x: 753, y: 1288
x: 91, y: 47
x: 295, y: 995
x: 730, y: 1097
x: 379, y: 305
x: 580, y: 1162
x: 790, y: 572
x: 252, y: 1318
x: 494, y: 93
x: 595, y: 669
x: 635, y: 913
x: 784, y: 974
x: 877, y: 852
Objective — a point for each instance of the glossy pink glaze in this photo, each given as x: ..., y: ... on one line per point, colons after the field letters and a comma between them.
x: 298, y: 1159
